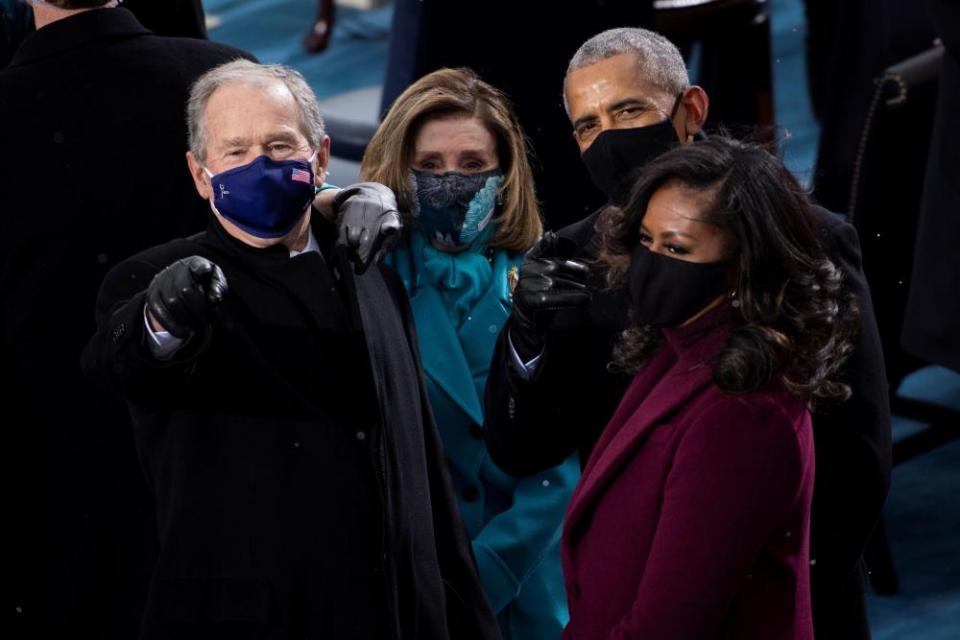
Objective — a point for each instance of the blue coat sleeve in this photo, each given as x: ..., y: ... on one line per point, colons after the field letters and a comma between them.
x: 513, y: 544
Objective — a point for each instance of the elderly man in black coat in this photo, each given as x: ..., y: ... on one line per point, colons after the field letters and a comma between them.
x: 93, y: 135
x: 550, y: 390
x: 278, y: 403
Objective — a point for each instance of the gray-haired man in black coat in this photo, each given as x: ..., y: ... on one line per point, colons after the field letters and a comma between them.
x: 550, y: 390
x: 277, y: 398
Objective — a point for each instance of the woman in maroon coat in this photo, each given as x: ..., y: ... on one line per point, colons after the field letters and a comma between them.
x: 691, y: 519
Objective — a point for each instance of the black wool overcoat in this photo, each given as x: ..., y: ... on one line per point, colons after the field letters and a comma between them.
x: 299, y: 478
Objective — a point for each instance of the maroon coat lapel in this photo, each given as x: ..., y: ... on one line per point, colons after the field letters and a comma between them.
x: 665, y: 399
x: 678, y: 372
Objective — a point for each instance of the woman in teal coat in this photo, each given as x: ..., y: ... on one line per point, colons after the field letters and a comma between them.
x: 452, y: 150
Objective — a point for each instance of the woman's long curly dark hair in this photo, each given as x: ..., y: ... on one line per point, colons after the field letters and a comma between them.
x: 795, y: 319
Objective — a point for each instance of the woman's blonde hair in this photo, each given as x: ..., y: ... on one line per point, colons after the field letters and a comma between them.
x: 452, y: 91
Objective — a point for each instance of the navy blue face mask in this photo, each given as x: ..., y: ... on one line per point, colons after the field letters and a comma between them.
x: 266, y: 198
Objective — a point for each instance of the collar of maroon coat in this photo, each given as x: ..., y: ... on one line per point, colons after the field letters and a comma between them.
x: 77, y: 31
x: 678, y: 371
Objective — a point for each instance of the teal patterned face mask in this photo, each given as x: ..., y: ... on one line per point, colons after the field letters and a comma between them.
x: 453, y: 208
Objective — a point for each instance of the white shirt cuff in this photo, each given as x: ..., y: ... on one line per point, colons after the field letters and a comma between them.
x: 524, y: 369
x: 162, y: 344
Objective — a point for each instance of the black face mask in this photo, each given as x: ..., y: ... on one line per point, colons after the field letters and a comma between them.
x: 666, y: 292
x: 617, y: 156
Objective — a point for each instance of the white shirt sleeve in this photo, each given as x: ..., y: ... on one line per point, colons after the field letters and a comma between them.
x: 524, y: 369
x: 162, y: 344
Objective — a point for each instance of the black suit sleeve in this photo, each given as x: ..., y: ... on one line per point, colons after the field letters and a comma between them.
x: 118, y: 356
x: 853, y: 449
x: 533, y: 425
x: 525, y: 426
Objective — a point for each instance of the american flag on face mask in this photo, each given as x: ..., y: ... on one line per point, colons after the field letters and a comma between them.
x: 299, y: 175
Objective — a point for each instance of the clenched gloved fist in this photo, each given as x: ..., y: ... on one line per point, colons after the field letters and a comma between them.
x: 368, y: 222
x: 548, y: 282
x: 184, y: 295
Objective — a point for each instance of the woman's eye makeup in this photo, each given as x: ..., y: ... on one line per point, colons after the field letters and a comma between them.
x: 670, y: 247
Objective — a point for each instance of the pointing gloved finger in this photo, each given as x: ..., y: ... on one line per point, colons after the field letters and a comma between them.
x: 546, y: 247
x: 217, y: 288
x: 570, y: 269
x: 200, y: 270
x: 565, y: 299
x: 561, y: 282
x: 192, y: 305
x: 564, y: 247
x: 168, y: 305
x: 182, y: 296
x: 208, y: 278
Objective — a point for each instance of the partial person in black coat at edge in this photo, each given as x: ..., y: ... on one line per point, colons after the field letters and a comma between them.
x: 93, y: 134
x: 181, y: 18
x: 278, y: 404
x: 629, y: 98
x: 16, y: 23
x: 932, y: 322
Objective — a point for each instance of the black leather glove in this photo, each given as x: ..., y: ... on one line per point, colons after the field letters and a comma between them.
x: 184, y: 295
x: 368, y: 222
x: 549, y: 281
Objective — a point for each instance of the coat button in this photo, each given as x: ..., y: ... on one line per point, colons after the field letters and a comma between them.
x: 476, y: 431
x: 470, y: 494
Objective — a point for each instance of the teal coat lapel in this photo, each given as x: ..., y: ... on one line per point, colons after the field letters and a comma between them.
x: 457, y: 362
x: 442, y: 355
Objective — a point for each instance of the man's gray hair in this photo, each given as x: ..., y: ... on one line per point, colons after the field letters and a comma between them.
x: 251, y: 73
x: 658, y: 60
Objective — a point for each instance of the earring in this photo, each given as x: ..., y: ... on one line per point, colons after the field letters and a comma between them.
x: 734, y: 302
